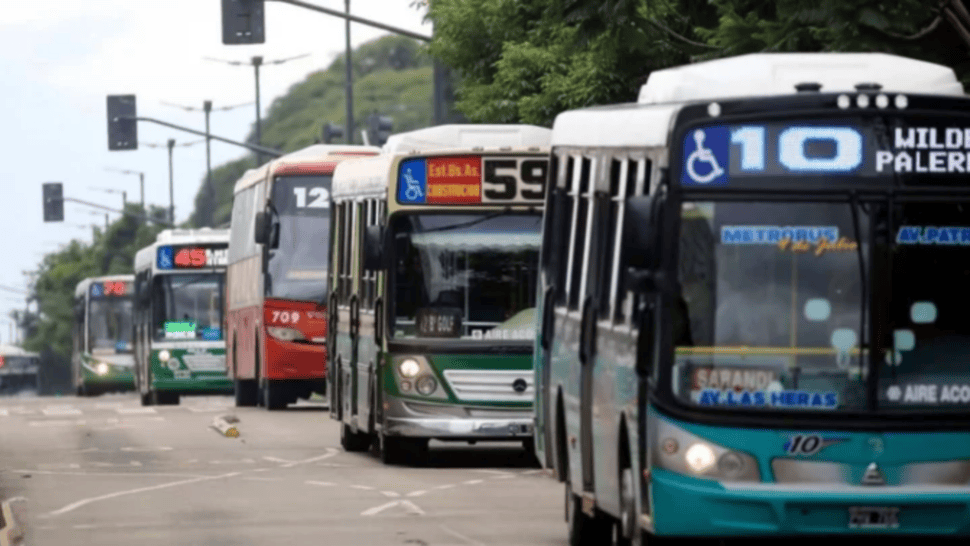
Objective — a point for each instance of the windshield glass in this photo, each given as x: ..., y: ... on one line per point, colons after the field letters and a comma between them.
x: 298, y: 266
x: 109, y: 325
x: 189, y: 307
x: 769, y: 311
x: 926, y: 364
x: 467, y: 276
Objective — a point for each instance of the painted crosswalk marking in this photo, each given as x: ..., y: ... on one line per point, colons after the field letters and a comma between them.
x: 135, y: 411
x: 52, y: 411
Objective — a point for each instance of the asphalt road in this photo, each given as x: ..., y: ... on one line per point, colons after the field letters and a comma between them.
x: 107, y: 471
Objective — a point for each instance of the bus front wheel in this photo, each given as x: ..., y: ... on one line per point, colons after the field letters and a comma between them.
x: 400, y: 451
x: 585, y: 530
x: 246, y: 393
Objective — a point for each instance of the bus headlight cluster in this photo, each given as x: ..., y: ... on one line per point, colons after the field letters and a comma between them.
x: 701, y: 458
x: 283, y: 333
x: 415, y: 375
x: 101, y: 368
x: 164, y: 355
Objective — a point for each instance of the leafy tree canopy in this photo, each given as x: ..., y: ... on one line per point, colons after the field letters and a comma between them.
x: 527, y: 60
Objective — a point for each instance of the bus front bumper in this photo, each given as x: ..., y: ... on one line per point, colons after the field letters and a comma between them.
x: 686, y: 506
x: 403, y: 419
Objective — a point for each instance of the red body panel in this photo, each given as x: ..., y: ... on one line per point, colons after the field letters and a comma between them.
x: 296, y: 360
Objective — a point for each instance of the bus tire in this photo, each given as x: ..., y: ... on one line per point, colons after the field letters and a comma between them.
x: 246, y: 394
x: 147, y: 399
x: 166, y: 398
x: 585, y: 530
x: 404, y: 451
x: 274, y: 395
x: 353, y: 441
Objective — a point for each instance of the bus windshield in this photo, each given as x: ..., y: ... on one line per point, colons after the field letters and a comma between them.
x: 109, y: 325
x: 189, y: 307
x: 465, y: 276
x: 770, y: 306
x: 298, y: 266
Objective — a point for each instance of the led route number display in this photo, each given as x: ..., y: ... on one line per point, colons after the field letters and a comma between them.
x: 192, y: 257
x: 468, y: 180
x: 109, y: 289
x: 716, y: 156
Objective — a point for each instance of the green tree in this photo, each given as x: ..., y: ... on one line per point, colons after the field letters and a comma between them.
x: 527, y: 60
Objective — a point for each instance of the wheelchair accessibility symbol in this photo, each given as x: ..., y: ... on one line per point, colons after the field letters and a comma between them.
x: 412, y: 191
x: 707, y: 155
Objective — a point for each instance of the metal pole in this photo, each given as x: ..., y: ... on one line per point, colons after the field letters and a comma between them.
x: 106, y: 223
x: 141, y: 179
x: 349, y: 77
x: 207, y: 106
x: 171, y: 183
x: 259, y: 121
x: 124, y: 199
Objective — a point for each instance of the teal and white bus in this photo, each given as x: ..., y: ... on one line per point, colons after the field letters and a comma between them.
x: 753, y: 302
x: 433, y: 261
x: 180, y: 346
x: 101, y: 358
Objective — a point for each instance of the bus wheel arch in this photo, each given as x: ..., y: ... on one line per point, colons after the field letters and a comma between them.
x: 627, y: 532
x: 561, y: 447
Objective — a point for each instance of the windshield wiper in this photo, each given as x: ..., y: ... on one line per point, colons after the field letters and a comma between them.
x: 855, y: 206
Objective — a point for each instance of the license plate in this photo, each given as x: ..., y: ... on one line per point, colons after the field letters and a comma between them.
x: 871, y: 517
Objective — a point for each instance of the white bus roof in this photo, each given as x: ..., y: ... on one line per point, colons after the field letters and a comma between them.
x: 446, y: 137
x: 82, y: 287
x: 311, y: 154
x: 15, y: 350
x: 646, y: 124
x: 766, y: 74
x: 145, y: 257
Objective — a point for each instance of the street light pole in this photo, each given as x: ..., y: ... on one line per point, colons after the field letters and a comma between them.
x: 257, y: 61
x: 207, y: 106
x: 349, y: 80
x: 141, y: 181
x: 171, y: 183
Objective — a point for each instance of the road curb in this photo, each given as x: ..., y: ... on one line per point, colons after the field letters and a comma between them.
x: 12, y: 532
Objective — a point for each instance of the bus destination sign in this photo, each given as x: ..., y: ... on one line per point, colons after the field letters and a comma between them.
x: 110, y: 289
x: 472, y: 180
x: 192, y: 257
x: 725, y: 155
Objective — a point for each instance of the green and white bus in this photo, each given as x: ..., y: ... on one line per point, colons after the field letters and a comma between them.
x: 753, y: 310
x: 102, y: 358
x: 433, y: 263
x: 180, y: 345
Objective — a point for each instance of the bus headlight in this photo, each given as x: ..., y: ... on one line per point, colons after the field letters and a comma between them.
x: 700, y: 458
x: 285, y: 334
x: 101, y: 368
x: 164, y: 355
x: 426, y: 385
x: 409, y: 368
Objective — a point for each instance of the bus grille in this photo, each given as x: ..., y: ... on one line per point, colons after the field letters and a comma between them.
x: 491, y: 385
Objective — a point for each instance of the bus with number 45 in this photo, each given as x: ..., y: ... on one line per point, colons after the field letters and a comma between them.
x: 753, y: 303
x: 276, y: 281
x: 180, y: 347
x: 433, y: 263
x: 102, y: 358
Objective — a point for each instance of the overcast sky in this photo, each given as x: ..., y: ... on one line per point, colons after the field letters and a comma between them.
x: 59, y: 60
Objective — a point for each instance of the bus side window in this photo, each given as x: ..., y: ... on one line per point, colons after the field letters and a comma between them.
x: 579, y: 191
x: 559, y: 226
x: 625, y: 303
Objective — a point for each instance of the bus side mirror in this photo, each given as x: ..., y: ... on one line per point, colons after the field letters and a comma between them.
x: 373, y: 243
x: 260, y: 233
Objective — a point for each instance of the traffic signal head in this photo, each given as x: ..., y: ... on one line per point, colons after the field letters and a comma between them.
x: 379, y: 129
x: 243, y: 22
x: 122, y: 127
x: 53, y: 202
x: 332, y: 131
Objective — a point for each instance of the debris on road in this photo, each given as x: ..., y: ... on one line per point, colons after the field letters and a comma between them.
x: 225, y: 424
x: 12, y: 531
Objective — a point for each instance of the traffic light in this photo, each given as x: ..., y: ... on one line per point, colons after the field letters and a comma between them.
x: 122, y: 126
x: 332, y: 131
x: 243, y: 22
x: 53, y: 202
x: 379, y: 129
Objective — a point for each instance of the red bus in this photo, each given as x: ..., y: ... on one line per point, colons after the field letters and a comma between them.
x: 276, y: 319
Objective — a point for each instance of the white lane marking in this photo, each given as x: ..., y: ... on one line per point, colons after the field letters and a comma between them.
x: 473, y: 482
x: 83, y: 502
x: 20, y: 410
x: 332, y: 452
x: 446, y: 486
x: 416, y: 493
x: 85, y: 473
x: 240, y: 461
x: 460, y: 536
x: 4, y: 412
x: 108, y: 405
x: 135, y: 411
x: 206, y: 409
x: 408, y: 506
x: 258, y: 479
x: 109, y: 465
x: 141, y: 449
x: 55, y: 466
x: 532, y: 472
x: 390, y: 494
x: 85, y: 526
x: 332, y: 465
x: 56, y: 423
x: 362, y: 487
x: 60, y: 411
x: 318, y: 483
x: 505, y: 477
x: 500, y: 472
x: 276, y: 460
